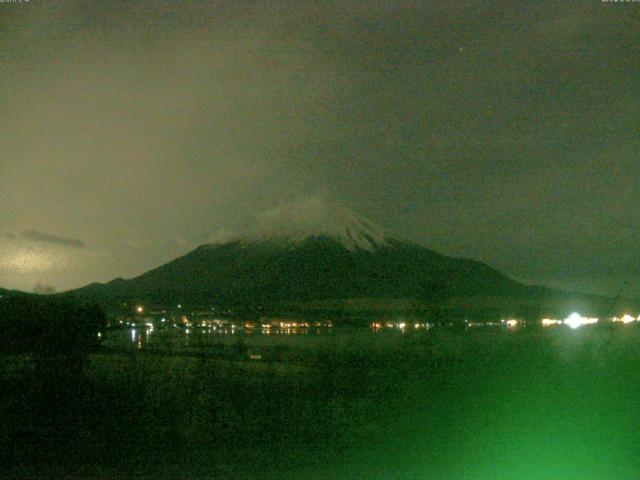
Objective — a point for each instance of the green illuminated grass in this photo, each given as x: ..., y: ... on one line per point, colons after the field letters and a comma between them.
x: 485, y: 404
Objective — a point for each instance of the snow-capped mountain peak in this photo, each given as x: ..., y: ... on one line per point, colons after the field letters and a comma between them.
x: 296, y: 222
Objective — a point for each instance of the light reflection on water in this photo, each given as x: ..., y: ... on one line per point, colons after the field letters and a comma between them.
x: 176, y: 338
x: 203, y: 338
x: 173, y: 337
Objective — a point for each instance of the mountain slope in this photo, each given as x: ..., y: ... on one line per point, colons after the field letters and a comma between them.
x: 317, y: 268
x: 318, y: 253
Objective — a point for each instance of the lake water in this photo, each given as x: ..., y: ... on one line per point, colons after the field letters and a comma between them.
x: 175, y: 339
x: 181, y: 339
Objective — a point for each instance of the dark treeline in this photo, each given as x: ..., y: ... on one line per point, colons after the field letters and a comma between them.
x: 44, y: 349
x: 49, y: 326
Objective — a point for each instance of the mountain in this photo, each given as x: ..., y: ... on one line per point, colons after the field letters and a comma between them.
x: 322, y: 257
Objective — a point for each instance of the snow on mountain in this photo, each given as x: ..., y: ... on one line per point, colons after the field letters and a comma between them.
x: 296, y: 222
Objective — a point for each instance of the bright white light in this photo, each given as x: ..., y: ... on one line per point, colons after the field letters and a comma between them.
x: 511, y: 323
x: 576, y: 320
x: 139, y: 309
x: 401, y: 325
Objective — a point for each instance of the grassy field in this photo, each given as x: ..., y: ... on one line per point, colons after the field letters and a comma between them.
x: 442, y: 404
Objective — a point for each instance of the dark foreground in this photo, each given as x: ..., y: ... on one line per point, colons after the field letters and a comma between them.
x: 441, y: 404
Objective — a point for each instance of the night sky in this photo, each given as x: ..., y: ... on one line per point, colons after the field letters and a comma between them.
x: 507, y: 132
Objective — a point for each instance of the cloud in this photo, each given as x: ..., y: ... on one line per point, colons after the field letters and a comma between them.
x: 310, y: 212
x: 314, y: 213
x: 42, y: 237
x: 223, y: 235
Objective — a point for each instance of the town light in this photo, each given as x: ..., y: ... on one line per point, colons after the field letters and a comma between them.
x: 626, y: 318
x: 547, y: 322
x: 576, y: 320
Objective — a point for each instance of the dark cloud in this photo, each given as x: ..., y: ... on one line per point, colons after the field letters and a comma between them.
x: 42, y: 237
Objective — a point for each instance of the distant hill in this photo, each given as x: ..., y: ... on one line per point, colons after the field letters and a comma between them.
x: 4, y: 293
